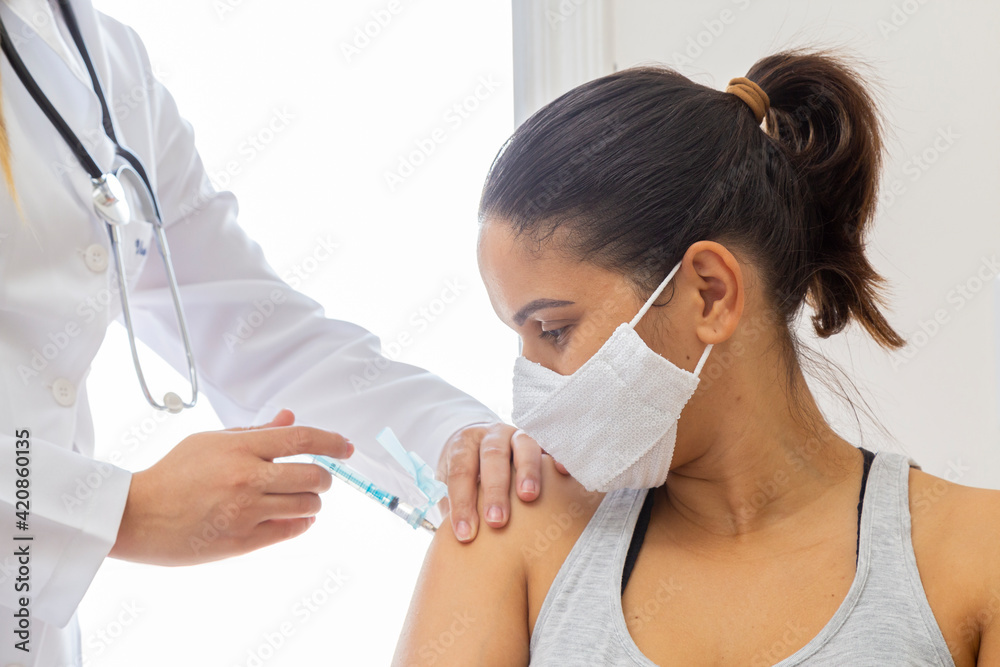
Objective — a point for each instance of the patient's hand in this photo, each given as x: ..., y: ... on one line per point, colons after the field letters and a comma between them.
x: 482, y: 453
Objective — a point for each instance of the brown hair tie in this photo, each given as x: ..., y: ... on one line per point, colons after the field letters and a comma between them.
x: 752, y: 94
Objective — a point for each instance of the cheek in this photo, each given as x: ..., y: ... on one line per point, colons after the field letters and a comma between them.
x: 598, y: 326
x: 661, y: 335
x: 584, y: 340
x: 582, y: 345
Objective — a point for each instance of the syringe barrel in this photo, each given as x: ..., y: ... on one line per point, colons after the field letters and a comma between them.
x: 357, y: 480
x: 408, y: 513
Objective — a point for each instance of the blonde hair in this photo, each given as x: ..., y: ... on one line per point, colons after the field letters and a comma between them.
x: 5, y: 159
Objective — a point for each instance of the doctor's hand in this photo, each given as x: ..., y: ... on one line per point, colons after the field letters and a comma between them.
x: 480, y: 455
x: 220, y: 494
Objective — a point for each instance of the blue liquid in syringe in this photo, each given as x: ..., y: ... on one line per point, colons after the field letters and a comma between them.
x: 355, y: 479
x: 412, y: 516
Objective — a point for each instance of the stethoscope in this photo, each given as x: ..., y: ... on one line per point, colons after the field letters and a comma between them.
x: 111, y: 201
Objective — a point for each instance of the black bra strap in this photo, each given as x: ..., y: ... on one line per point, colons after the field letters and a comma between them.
x: 869, y: 457
x: 638, y: 535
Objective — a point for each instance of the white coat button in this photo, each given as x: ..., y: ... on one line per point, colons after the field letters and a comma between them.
x: 96, y: 258
x: 64, y: 392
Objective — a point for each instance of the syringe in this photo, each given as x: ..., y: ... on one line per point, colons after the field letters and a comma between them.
x: 408, y: 513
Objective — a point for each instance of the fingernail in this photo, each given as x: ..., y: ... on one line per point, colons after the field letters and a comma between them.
x: 494, y: 514
x: 529, y: 486
x: 463, y: 530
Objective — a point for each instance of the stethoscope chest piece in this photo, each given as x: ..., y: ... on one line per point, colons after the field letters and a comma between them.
x: 110, y: 201
x: 119, y: 205
x: 173, y: 402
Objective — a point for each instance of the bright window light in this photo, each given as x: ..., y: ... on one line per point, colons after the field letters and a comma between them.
x: 365, y: 130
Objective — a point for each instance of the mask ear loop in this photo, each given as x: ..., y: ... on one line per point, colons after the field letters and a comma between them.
x: 649, y: 302
x: 704, y: 358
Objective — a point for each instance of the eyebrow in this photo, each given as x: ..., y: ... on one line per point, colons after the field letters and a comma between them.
x: 538, y: 304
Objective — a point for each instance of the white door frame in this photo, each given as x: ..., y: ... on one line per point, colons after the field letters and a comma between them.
x: 558, y: 44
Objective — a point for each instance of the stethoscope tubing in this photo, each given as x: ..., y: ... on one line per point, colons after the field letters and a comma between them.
x: 172, y: 402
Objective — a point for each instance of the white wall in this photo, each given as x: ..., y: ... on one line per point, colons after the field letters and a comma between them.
x: 234, y: 65
x: 937, y: 235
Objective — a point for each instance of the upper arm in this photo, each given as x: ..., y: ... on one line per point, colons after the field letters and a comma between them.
x: 956, y: 541
x: 980, y: 517
x: 474, y: 602
x: 989, y: 648
x: 469, y: 606
x: 989, y: 604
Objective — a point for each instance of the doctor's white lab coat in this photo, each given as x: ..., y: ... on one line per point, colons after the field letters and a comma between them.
x: 58, y: 294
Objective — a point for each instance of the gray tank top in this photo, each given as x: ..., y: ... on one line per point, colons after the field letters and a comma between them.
x: 884, y: 620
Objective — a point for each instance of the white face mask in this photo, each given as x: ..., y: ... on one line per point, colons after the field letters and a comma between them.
x: 612, y: 423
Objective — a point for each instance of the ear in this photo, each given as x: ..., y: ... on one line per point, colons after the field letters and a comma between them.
x: 716, y: 274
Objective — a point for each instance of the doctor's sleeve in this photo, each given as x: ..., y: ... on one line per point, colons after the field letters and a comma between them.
x: 260, y: 345
x: 74, y: 507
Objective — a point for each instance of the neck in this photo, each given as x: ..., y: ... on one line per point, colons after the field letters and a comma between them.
x: 767, y: 460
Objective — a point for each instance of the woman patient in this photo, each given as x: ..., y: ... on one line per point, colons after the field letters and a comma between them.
x: 652, y: 241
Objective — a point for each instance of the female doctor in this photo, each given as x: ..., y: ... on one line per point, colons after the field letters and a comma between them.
x: 86, y: 180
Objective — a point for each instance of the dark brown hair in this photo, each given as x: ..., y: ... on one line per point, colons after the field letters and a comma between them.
x: 640, y: 164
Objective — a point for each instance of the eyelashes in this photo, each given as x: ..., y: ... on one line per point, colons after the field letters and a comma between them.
x: 556, y: 336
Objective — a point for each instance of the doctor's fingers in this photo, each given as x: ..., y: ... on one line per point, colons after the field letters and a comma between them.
x: 287, y: 506
x: 494, y: 473
x: 277, y: 530
x: 527, y: 464
x: 293, y: 478
x: 272, y: 443
x: 461, y: 471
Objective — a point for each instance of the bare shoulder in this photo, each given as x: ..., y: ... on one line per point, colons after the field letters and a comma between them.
x: 540, y: 534
x: 957, y: 516
x: 536, y: 530
x: 956, y: 540
x: 475, y: 603
x: 563, y: 502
